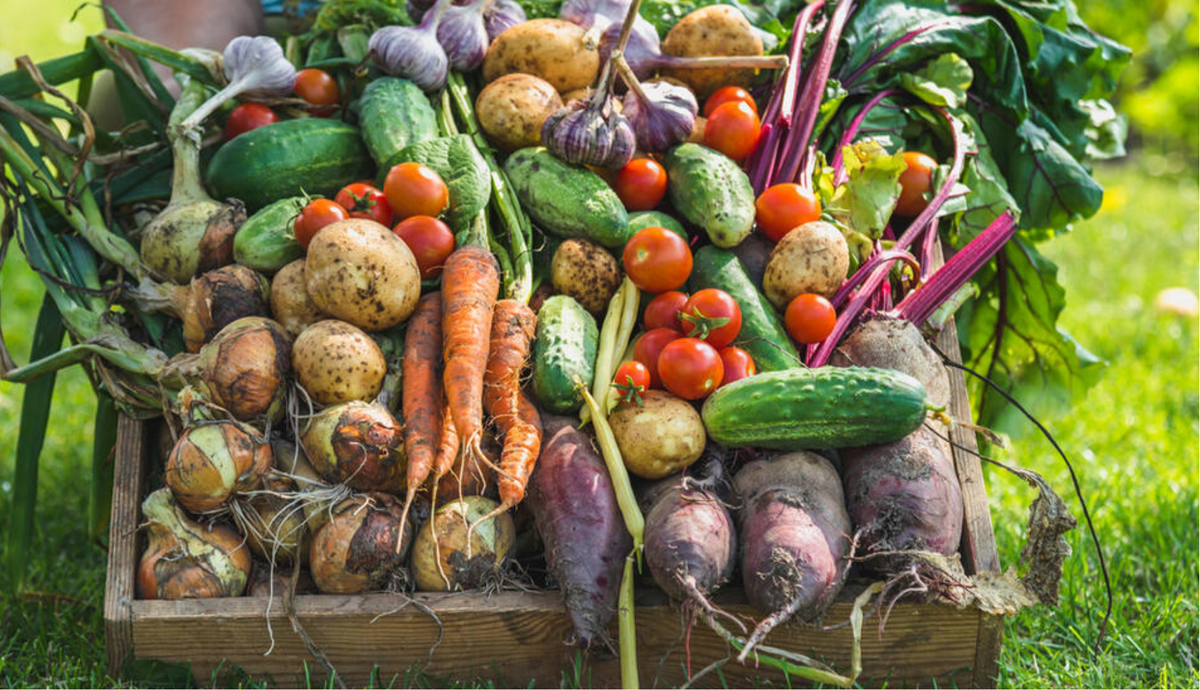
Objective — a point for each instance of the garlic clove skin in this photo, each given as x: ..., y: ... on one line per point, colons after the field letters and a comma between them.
x: 662, y: 114
x: 408, y: 52
x: 463, y: 35
x: 502, y: 15
x: 583, y: 134
x: 642, y: 50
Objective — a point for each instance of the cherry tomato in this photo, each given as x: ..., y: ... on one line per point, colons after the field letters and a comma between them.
x: 641, y: 184
x: 783, y: 207
x: 738, y: 364
x: 915, y: 182
x: 663, y: 310
x: 319, y: 89
x: 632, y: 379
x: 703, y: 315
x: 657, y: 260
x: 690, y: 368
x: 246, y: 117
x: 316, y: 215
x: 733, y: 129
x: 415, y: 190
x: 809, y: 318
x: 727, y: 94
x: 430, y: 240
x: 365, y: 201
x: 648, y: 347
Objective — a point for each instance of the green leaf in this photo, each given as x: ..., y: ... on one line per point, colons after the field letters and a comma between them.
x: 464, y: 171
x: 865, y: 202
x: 943, y: 81
x: 18, y: 83
x: 104, y: 442
x: 35, y: 412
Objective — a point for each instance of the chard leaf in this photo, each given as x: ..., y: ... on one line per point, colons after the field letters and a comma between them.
x: 1105, y: 132
x: 943, y: 81
x: 865, y: 202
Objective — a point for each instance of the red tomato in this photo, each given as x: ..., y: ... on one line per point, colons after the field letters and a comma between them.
x: 246, y: 117
x: 809, y: 318
x: 641, y: 184
x: 690, y: 368
x: 430, y: 240
x: 365, y: 201
x: 648, y: 347
x: 783, y: 207
x: 415, y: 190
x: 726, y: 94
x: 318, y: 88
x: 632, y: 379
x: 316, y: 215
x: 657, y: 260
x: 703, y: 313
x: 733, y: 129
x: 915, y: 183
x: 663, y: 310
x: 738, y: 364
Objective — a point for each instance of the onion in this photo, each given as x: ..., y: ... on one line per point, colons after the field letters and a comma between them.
x: 267, y: 582
x: 361, y: 548
x: 274, y: 520
x: 210, y: 302
x: 454, y: 550
x: 212, y: 461
x: 244, y: 368
x: 357, y: 444
x: 186, y: 560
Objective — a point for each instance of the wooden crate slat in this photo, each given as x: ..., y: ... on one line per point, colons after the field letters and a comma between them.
x: 123, y: 545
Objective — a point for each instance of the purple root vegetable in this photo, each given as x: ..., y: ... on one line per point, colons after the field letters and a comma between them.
x: 576, y: 513
x: 890, y: 342
x: 796, y: 538
x: 903, y: 496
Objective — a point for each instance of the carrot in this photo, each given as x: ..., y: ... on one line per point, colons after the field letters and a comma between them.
x: 421, y: 393
x: 470, y: 283
x: 447, y: 450
x: 515, y: 417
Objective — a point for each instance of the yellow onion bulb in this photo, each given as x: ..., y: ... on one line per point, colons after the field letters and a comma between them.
x: 357, y: 444
x: 276, y: 528
x: 244, y: 368
x: 212, y: 461
x: 187, y: 560
x: 444, y: 560
x: 361, y: 548
x: 218, y: 298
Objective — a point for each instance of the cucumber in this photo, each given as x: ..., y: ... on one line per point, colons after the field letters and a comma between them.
x: 564, y: 353
x: 567, y: 200
x: 394, y: 113
x: 652, y: 219
x: 813, y: 409
x: 309, y: 155
x: 762, y: 334
x: 266, y: 241
x: 711, y: 192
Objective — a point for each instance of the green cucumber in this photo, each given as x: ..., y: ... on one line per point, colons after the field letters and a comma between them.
x: 266, y: 241
x: 394, y: 113
x: 655, y: 219
x: 711, y: 192
x: 567, y: 200
x: 564, y: 354
x: 460, y: 165
x: 312, y: 155
x: 812, y: 409
x: 762, y: 334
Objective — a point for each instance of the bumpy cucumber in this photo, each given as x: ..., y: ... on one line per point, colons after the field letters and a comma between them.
x: 394, y: 113
x: 650, y: 219
x: 710, y: 191
x: 564, y: 354
x: 266, y: 241
x: 567, y: 200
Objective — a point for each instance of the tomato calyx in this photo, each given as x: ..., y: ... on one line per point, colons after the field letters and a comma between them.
x: 630, y: 392
x: 697, y: 325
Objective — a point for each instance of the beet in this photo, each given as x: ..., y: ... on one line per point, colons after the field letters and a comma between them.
x: 903, y: 495
x: 894, y: 343
x: 576, y: 513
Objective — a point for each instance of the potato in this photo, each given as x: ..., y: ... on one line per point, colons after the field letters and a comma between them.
x: 550, y: 49
x: 512, y: 109
x: 337, y: 362
x: 361, y: 272
x: 586, y: 271
x: 719, y: 30
x: 811, y: 258
x: 290, y: 304
x: 660, y: 438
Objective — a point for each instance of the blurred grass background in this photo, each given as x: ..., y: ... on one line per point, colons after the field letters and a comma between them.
x: 1134, y: 441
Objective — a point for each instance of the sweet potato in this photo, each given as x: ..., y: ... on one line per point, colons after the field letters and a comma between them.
x: 577, y: 517
x: 795, y: 536
x: 903, y: 495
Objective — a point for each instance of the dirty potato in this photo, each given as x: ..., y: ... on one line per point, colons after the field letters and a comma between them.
x: 716, y: 30
x: 659, y: 438
x: 586, y: 271
x: 337, y: 362
x: 290, y: 304
x: 551, y: 49
x: 361, y: 272
x: 811, y: 258
x: 512, y: 109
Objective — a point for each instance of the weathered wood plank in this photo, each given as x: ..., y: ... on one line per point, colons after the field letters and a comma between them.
x: 128, y: 476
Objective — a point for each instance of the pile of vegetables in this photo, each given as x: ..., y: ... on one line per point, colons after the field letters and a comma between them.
x: 642, y: 290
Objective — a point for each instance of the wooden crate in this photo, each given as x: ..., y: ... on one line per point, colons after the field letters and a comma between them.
x: 517, y: 638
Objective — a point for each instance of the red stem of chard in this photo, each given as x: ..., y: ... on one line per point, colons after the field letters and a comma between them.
x: 928, y: 296
x: 839, y: 167
x: 879, y: 257
x: 877, y: 57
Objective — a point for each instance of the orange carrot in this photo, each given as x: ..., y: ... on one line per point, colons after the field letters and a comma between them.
x: 470, y: 283
x: 421, y: 393
x: 515, y: 417
x: 447, y: 450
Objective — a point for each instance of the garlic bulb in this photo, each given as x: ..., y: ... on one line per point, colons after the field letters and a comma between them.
x: 662, y: 114
x: 413, y: 52
x: 590, y: 133
x: 253, y: 65
x: 502, y: 15
x: 463, y: 35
